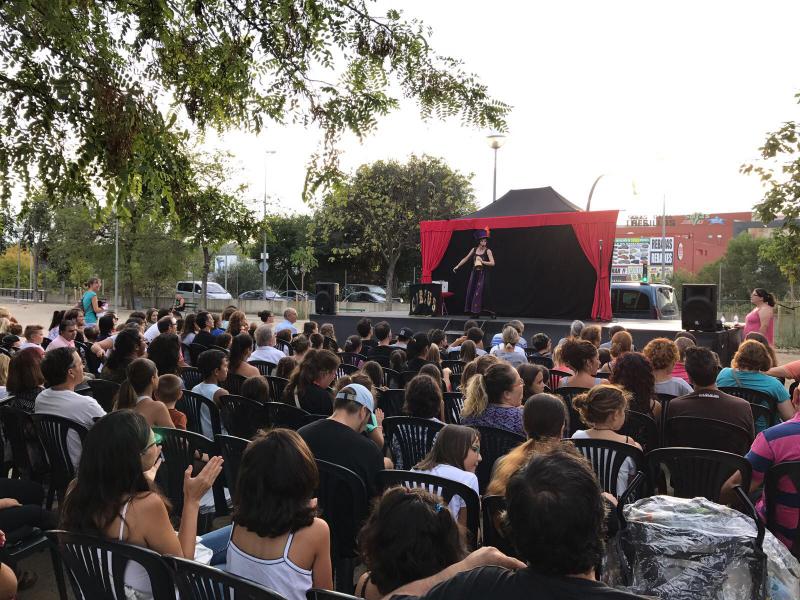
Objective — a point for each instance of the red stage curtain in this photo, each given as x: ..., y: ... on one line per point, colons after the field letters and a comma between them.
x: 590, y: 236
x: 434, y: 239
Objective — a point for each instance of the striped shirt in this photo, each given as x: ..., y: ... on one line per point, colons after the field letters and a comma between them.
x: 773, y: 446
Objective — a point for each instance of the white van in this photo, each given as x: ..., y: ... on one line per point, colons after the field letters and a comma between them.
x: 192, y: 291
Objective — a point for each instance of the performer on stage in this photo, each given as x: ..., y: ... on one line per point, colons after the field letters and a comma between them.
x: 479, y: 279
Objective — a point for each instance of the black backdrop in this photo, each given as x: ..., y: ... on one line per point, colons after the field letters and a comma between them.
x: 540, y: 272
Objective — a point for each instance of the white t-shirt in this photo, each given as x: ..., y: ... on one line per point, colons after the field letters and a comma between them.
x: 267, y: 353
x: 151, y: 333
x: 501, y: 348
x: 458, y: 475
x: 68, y: 404
x: 675, y: 386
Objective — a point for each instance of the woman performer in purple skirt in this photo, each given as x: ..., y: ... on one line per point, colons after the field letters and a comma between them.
x: 478, y: 280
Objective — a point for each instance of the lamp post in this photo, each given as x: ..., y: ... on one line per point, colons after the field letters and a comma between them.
x: 263, y: 263
x: 495, y: 142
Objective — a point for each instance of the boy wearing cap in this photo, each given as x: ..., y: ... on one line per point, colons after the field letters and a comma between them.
x: 338, y: 438
x: 403, y: 337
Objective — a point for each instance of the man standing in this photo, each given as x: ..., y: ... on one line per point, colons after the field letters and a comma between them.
x: 289, y: 319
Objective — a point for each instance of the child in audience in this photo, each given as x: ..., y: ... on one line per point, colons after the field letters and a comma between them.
x: 169, y: 391
x: 409, y: 535
x: 136, y: 393
x: 277, y: 540
x: 285, y: 366
x: 256, y: 389
x: 396, y: 360
x: 213, y: 365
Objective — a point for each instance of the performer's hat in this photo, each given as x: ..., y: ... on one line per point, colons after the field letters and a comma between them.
x: 482, y: 233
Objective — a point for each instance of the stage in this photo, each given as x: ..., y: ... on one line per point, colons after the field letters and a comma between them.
x: 723, y: 342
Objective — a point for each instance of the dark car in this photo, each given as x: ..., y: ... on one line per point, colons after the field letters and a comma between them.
x: 259, y: 295
x: 364, y: 297
x: 631, y: 300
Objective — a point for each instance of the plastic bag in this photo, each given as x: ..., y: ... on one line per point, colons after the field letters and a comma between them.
x: 679, y: 549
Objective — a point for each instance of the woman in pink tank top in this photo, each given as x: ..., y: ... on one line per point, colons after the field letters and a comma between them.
x: 762, y: 317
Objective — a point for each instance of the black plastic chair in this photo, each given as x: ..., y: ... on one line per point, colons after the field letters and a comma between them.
x: 773, y: 495
x: 492, y: 508
x: 288, y: 416
x: 242, y: 417
x: 104, y: 391
x: 697, y: 432
x: 181, y: 449
x: 495, y: 443
x: 197, y: 581
x: 406, y: 376
x: 54, y: 433
x: 276, y: 386
x: 233, y: 383
x: 191, y: 376
x: 96, y: 566
x: 317, y: 594
x: 24, y: 542
x: 344, y: 369
x: 455, y: 366
x: 187, y: 354
x: 196, y: 350
x: 352, y: 358
x: 193, y: 405
x: 23, y: 400
x: 284, y: 347
x: 342, y: 499
x: 759, y: 398
x: 690, y: 472
x: 231, y: 449
x: 544, y: 361
x: 28, y: 458
x: 555, y: 377
x: 567, y: 393
x: 414, y: 437
x: 391, y: 402
x: 391, y: 378
x: 264, y: 367
x: 93, y: 362
x: 642, y: 428
x: 438, y: 486
x: 453, y: 403
x: 607, y: 458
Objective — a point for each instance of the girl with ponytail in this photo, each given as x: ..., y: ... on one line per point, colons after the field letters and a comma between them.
x: 762, y: 317
x: 136, y: 393
x: 493, y: 399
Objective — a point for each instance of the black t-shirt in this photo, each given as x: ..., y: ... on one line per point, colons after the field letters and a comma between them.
x: 525, y: 584
x: 337, y: 443
x: 367, y: 345
x: 204, y: 338
x: 380, y: 351
x: 315, y: 400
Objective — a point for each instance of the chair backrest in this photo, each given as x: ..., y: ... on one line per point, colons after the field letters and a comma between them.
x: 760, y: 398
x: 196, y: 350
x: 453, y: 403
x: 697, y: 432
x: 286, y: 415
x: 27, y: 454
x: 231, y: 449
x: 495, y: 443
x: 276, y: 386
x: 545, y: 361
x: 391, y: 402
x: 197, y: 581
x: 97, y: 566
x: 567, y: 393
x: 778, y: 481
x: 53, y: 433
x: 191, y: 376
x: 180, y: 449
x: 406, y: 376
x: 242, y: 417
x: 345, y: 369
x: 438, y: 486
x: 555, y: 377
x: 690, y: 472
x: 642, y: 428
x: 192, y: 405
x: 187, y: 353
x: 607, y: 458
x: 352, y: 358
x: 284, y: 347
x: 455, y: 366
x: 342, y: 499
x: 413, y: 435
x: 264, y: 367
x: 492, y: 508
x: 233, y: 383
x: 391, y: 378
x: 104, y: 392
x: 93, y: 362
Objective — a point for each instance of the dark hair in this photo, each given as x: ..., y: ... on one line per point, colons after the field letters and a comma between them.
x: 364, y: 327
x: 209, y: 361
x: 397, y: 359
x: 543, y: 416
x: 285, y: 367
x: 765, y: 295
x: 284, y: 334
x: 469, y: 324
x: 488, y: 388
x: 240, y: 346
x: 137, y: 314
x: 410, y: 535
x: 140, y: 374
x: 528, y: 373
x: 149, y: 313
x: 109, y: 472
x: 314, y: 364
x: 58, y: 316
x: 189, y: 325
x: 255, y: 388
x: 223, y: 340
x: 56, y: 365
x: 604, y: 356
x: 555, y: 514
x: 701, y: 365
x: 310, y: 327
x: 277, y: 478
x: 437, y: 336
x: 203, y: 318
x: 450, y: 447
x: 539, y: 341
x: 62, y: 327
x: 577, y: 353
x: 227, y: 312
x: 417, y: 346
x: 106, y: 324
x: 634, y: 372
x: 300, y: 343
x: 382, y: 330
x: 352, y: 344
x: 25, y: 371
x: 164, y: 323
x: 423, y: 398
x: 317, y: 340
x: 467, y: 352
x: 164, y: 351
x: 686, y: 334
x: 432, y: 371
x: 614, y: 329
x: 374, y: 371
x: 264, y: 315
x: 475, y: 334
x: 126, y: 348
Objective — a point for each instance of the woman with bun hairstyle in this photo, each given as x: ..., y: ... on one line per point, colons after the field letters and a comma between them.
x: 493, y: 399
x: 582, y: 357
x: 621, y: 343
x: 602, y: 409
x: 762, y: 317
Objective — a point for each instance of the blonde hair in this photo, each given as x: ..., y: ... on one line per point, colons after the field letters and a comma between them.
x: 488, y: 388
x: 4, y: 362
x: 5, y: 324
x: 510, y: 338
x: 434, y: 355
x: 517, y: 458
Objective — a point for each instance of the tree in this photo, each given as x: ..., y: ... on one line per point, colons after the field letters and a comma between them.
x: 377, y: 213
x: 82, y: 84
x: 36, y: 224
x: 783, y: 251
x: 744, y: 268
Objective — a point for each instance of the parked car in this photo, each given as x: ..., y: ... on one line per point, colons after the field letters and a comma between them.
x: 192, y: 291
x: 364, y: 297
x: 632, y: 300
x: 259, y: 295
x: 351, y: 288
x: 297, y: 295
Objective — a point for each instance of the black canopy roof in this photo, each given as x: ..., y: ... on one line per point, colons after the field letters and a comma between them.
x: 531, y: 201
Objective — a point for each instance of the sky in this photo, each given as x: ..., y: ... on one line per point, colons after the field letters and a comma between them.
x: 667, y: 98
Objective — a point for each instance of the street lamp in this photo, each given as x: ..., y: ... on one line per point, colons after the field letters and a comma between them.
x: 495, y: 141
x: 263, y: 263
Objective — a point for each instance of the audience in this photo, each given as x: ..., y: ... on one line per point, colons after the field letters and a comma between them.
x: 621, y: 343
x: 165, y: 352
x: 25, y: 380
x: 383, y: 335
x: 760, y: 337
x: 308, y: 384
x: 468, y: 351
x: 592, y: 334
x: 237, y: 324
x: 265, y: 346
x: 241, y: 349
x: 519, y: 326
x: 542, y: 345
x: 67, y: 332
x: 634, y: 373
x: 300, y: 347
x: 128, y: 346
x: 417, y: 352
x: 289, y: 319
x: 255, y: 388
x: 365, y: 332
x: 205, y: 323
x: 508, y: 350
x: 614, y: 329
x: 136, y: 393
x: 169, y: 391
x: 683, y: 344
x: 285, y: 367
x: 213, y: 365
x: 582, y: 357
x: 493, y: 399
x: 34, y: 335
x: 534, y: 379
x: 663, y: 355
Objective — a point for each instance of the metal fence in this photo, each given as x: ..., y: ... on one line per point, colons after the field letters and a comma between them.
x: 23, y: 294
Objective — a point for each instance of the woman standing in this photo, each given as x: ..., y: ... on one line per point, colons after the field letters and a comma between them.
x: 89, y: 301
x: 762, y: 317
x: 478, y: 280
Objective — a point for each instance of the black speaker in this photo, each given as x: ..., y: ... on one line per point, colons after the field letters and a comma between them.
x: 426, y: 299
x: 327, y: 293
x: 699, y: 307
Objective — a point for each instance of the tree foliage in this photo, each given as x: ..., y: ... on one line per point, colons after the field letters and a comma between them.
x: 376, y: 213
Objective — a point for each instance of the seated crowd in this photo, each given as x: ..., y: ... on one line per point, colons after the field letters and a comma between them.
x: 163, y: 364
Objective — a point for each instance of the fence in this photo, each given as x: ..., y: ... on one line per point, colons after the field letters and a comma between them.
x: 23, y: 294
x: 787, y: 319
